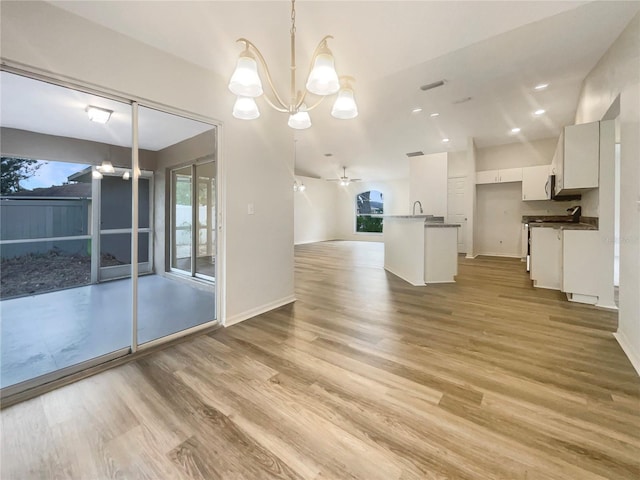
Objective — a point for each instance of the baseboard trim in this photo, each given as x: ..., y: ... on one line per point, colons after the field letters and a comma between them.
x: 241, y: 317
x: 628, y: 349
x: 470, y: 257
x: 504, y: 255
x: 315, y: 241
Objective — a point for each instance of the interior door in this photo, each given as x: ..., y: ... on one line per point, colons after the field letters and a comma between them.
x: 456, y: 208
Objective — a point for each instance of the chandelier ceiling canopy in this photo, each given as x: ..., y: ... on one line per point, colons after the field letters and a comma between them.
x: 321, y: 81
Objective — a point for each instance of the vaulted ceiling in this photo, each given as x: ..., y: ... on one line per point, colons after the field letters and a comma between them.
x: 491, y: 52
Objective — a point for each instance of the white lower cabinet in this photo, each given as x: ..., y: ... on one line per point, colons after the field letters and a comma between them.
x: 546, y: 257
x: 580, y: 265
x: 566, y: 260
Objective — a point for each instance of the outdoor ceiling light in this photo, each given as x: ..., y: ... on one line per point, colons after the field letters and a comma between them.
x: 322, y: 81
x: 106, y: 167
x: 299, y: 187
x: 96, y: 174
x: 98, y: 115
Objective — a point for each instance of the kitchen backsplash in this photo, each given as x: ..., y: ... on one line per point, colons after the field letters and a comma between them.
x: 546, y: 207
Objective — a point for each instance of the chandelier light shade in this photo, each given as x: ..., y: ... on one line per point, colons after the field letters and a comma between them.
x: 300, y: 120
x: 245, y: 81
x: 345, y: 105
x: 245, y: 108
x: 322, y: 81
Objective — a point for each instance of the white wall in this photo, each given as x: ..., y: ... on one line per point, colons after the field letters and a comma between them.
x: 396, y: 202
x: 315, y: 211
x: 499, y: 207
x: 457, y: 164
x: 256, y: 156
x: 618, y: 74
x: 23, y: 143
x: 499, y: 219
x: 518, y: 154
x: 428, y: 183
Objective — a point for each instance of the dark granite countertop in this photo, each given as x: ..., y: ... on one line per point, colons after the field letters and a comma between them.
x: 564, y: 225
x: 561, y: 221
x: 440, y: 225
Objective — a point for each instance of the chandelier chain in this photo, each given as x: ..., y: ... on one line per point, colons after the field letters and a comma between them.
x: 293, y: 17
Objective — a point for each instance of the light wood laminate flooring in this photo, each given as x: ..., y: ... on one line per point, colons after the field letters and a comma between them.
x: 364, y: 377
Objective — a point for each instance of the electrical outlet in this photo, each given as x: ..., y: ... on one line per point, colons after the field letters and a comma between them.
x: 250, y: 209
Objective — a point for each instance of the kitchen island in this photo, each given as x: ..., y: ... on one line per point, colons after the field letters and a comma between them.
x: 420, y: 249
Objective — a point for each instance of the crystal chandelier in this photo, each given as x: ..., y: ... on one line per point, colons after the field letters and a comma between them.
x: 322, y: 81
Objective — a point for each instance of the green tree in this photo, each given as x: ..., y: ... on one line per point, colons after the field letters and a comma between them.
x: 13, y: 170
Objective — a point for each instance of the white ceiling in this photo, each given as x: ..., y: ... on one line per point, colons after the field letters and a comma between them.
x: 41, y: 107
x: 494, y: 52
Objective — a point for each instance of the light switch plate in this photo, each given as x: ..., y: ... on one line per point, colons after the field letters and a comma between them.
x: 250, y: 209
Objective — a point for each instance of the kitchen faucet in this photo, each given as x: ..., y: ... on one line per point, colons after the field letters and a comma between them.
x: 414, y: 206
x: 575, y: 212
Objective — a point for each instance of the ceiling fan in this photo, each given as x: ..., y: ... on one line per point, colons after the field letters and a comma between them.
x: 344, y: 180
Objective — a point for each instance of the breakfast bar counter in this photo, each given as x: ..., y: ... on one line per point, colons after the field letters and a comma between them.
x: 420, y: 249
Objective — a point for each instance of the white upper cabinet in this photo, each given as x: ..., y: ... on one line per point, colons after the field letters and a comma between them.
x: 499, y: 176
x: 576, y: 161
x: 533, y: 182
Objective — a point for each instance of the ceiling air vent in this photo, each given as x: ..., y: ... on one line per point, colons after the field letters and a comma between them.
x: 461, y: 100
x: 432, y: 85
x: 415, y: 154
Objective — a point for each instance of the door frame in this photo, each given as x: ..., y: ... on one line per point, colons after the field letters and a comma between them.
x: 21, y: 390
x: 195, y: 229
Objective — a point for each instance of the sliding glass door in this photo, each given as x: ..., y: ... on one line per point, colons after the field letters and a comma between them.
x: 56, y: 318
x: 205, y: 266
x: 193, y: 229
x: 181, y: 295
x: 93, y: 225
x: 182, y: 219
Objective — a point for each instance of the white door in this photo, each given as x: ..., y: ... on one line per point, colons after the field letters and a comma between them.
x: 456, y: 205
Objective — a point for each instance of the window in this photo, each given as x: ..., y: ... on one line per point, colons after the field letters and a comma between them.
x: 368, y: 204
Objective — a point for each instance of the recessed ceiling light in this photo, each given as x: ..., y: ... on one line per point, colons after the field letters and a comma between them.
x: 435, y: 114
x: 98, y: 115
x: 540, y: 111
x: 541, y: 86
x: 445, y: 140
x: 416, y: 110
x: 515, y: 130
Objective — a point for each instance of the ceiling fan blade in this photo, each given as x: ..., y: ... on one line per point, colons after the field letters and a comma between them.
x: 355, y: 179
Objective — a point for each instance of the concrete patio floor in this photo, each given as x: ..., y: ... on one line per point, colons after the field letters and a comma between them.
x: 43, y: 333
